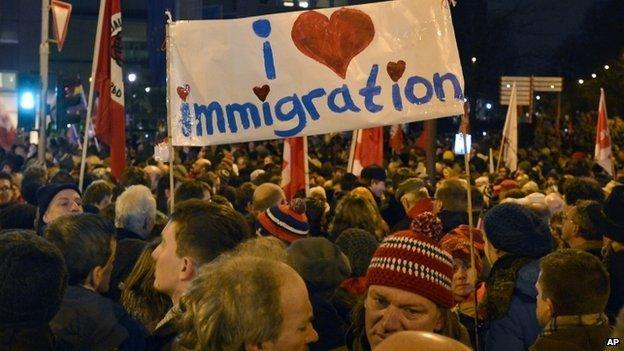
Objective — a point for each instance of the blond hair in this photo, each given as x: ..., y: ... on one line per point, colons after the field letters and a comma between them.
x: 234, y: 301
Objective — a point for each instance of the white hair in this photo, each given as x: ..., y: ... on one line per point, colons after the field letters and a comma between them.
x: 135, y: 208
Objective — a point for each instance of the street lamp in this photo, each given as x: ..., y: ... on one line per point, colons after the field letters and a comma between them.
x: 474, y: 59
x: 580, y: 81
x: 132, y: 77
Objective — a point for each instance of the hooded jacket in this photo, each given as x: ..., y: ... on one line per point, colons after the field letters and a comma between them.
x: 513, y: 322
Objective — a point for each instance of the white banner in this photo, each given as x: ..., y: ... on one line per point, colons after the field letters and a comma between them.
x: 312, y: 72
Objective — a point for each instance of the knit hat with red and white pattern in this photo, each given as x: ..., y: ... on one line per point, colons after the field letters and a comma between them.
x: 413, y: 261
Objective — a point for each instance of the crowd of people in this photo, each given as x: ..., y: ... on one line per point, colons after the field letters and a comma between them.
x: 386, y: 260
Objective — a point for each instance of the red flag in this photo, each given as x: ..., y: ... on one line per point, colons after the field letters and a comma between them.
x: 396, y: 138
x: 602, y: 153
x: 367, y: 150
x: 110, y: 124
x: 421, y: 142
x: 294, y: 166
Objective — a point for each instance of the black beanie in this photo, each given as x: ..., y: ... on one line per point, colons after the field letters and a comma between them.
x: 359, y: 246
x: 46, y: 193
x: 517, y: 230
x: 33, y: 278
x: 319, y: 262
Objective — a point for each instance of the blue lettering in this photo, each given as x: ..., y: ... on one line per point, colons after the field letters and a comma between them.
x: 244, y: 110
x: 214, y: 108
x: 269, y: 63
x: 346, y: 97
x: 262, y: 28
x: 297, y: 110
x: 266, y: 111
x: 371, y: 90
x: 438, y: 83
x: 308, y: 102
x: 186, y: 119
x: 411, y: 95
x: 396, y: 97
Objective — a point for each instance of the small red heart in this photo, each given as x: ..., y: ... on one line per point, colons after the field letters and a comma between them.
x: 262, y: 92
x: 396, y: 70
x: 183, y: 92
x: 333, y: 41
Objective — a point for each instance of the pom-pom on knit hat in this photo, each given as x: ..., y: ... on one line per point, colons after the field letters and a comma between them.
x: 285, y: 222
x: 413, y: 261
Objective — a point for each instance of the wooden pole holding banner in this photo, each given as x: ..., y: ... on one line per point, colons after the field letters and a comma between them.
x: 354, y: 138
x: 431, y: 130
x: 96, y: 54
x: 169, y: 136
x: 306, y: 168
x: 470, y: 227
x: 469, y: 210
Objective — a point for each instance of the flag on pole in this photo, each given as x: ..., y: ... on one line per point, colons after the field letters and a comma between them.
x: 110, y: 124
x: 367, y: 150
x: 509, y: 143
x: 294, y: 166
x: 396, y: 137
x: 602, y: 154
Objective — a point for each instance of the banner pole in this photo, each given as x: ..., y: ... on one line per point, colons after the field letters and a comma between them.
x: 169, y: 125
x: 306, y: 168
x: 96, y: 53
x: 354, y: 137
x: 470, y: 227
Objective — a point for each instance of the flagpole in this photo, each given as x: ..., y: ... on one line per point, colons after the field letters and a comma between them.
x: 354, y: 137
x: 306, y: 169
x: 44, y: 54
x: 169, y: 137
x: 506, y: 126
x: 96, y: 53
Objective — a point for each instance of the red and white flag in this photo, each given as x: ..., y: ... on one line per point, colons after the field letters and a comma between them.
x: 366, y: 149
x: 295, y: 166
x: 110, y: 124
x: 396, y: 138
x: 509, y: 142
x: 602, y: 154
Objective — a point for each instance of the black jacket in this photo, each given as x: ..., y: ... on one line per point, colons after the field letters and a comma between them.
x: 89, y: 321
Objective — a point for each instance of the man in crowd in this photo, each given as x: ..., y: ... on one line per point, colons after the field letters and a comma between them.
x: 86, y: 319
x: 414, y: 197
x: 582, y: 227
x: 6, y: 190
x: 98, y: 195
x: 266, y: 196
x: 197, y: 233
x: 572, y: 293
x: 262, y: 305
x: 56, y: 200
x: 135, y: 213
x: 374, y: 179
x: 34, y: 279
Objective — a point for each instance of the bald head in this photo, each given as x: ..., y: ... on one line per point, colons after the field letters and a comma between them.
x: 420, y: 341
x: 266, y: 196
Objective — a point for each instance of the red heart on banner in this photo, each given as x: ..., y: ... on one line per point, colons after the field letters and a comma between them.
x: 183, y: 92
x: 262, y: 92
x: 333, y: 41
x: 396, y: 70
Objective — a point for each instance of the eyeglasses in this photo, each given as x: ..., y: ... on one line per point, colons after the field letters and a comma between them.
x: 4, y: 189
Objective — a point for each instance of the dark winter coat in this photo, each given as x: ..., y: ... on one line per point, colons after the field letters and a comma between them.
x: 89, y: 321
x: 578, y: 338
x: 615, y: 266
x: 513, y: 322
